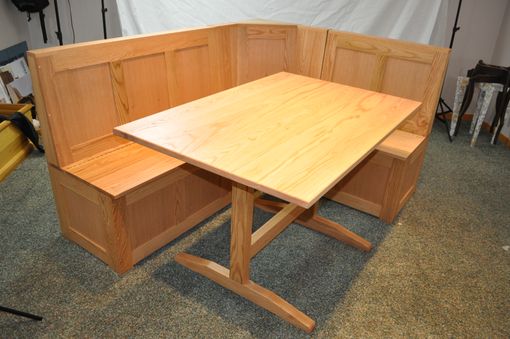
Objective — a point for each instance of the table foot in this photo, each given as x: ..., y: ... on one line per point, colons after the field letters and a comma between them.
x: 249, y: 290
x: 319, y: 224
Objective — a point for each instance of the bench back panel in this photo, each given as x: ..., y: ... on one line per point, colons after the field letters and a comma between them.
x: 90, y: 88
x: 84, y: 90
x: 405, y: 69
x: 265, y: 49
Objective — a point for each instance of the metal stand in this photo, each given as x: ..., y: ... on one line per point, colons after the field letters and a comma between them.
x: 59, y: 30
x: 103, y: 13
x: 442, y: 106
x: 20, y: 313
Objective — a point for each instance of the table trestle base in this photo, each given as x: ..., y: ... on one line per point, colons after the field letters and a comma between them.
x: 319, y: 224
x: 249, y: 290
x: 244, y: 245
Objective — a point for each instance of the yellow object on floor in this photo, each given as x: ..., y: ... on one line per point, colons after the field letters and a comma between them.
x: 14, y: 146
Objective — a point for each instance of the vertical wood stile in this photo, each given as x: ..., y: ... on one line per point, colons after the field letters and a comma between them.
x: 119, y: 91
x: 241, y: 229
x: 378, y: 76
x: 171, y: 77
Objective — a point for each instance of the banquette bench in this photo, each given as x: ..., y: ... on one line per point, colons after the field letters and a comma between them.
x: 122, y: 201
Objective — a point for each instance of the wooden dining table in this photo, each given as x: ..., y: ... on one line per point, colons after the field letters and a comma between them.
x: 285, y: 135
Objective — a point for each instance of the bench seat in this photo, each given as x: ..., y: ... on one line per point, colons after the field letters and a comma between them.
x: 123, y: 169
x: 401, y: 144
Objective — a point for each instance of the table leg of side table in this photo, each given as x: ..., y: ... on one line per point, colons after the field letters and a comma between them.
x: 242, y: 247
x: 320, y: 224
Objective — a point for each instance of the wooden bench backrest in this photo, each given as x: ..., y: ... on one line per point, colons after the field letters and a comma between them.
x: 404, y: 69
x: 84, y: 90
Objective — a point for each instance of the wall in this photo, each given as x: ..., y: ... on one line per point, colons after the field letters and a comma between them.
x: 87, y: 21
x: 12, y: 25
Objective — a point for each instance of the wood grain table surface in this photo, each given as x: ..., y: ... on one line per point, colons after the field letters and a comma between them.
x: 288, y: 135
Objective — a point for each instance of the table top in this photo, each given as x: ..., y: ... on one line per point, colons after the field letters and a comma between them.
x: 288, y: 135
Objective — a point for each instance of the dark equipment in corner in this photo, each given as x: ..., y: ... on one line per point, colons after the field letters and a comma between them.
x: 37, y: 6
x: 442, y: 106
x: 103, y: 14
x: 20, y: 313
x: 34, y: 6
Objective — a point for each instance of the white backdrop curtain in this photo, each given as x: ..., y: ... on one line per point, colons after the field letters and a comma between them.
x: 422, y: 21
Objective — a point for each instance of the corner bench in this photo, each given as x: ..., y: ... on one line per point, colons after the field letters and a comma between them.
x: 122, y: 201
x: 125, y: 203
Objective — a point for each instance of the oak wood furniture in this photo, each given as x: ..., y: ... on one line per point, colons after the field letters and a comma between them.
x: 108, y: 199
x: 287, y: 135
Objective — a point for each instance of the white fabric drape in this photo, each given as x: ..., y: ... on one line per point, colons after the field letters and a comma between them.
x: 414, y: 20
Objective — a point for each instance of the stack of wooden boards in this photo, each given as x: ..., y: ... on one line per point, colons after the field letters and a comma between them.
x: 122, y: 201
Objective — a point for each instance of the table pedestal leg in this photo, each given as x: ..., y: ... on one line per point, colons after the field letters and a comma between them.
x: 237, y: 279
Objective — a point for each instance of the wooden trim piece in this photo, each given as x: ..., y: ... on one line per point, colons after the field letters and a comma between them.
x: 274, y: 226
x: 240, y: 230
x: 269, y: 205
x: 170, y: 234
x: 77, y: 186
x: 95, y: 53
x: 321, y: 225
x: 377, y: 78
x: 119, y: 91
x: 40, y: 81
x: 337, y: 231
x: 249, y: 290
x: 55, y: 175
x: 401, y: 144
x: 390, y: 204
x: 117, y: 239
x: 439, y: 65
x: 268, y: 32
x: 311, y: 44
x: 356, y: 202
x: 399, y: 49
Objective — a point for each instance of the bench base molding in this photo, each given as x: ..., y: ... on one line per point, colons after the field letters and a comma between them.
x: 122, y: 231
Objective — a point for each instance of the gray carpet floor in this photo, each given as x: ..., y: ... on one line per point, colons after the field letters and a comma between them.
x: 441, y: 270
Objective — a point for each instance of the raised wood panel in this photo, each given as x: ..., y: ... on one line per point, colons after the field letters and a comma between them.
x: 222, y: 53
x: 353, y: 68
x: 172, y: 204
x: 84, y: 216
x: 412, y: 85
x: 368, y: 180
x: 144, y: 79
x: 395, y: 67
x: 189, y: 73
x: 264, y: 50
x: 86, y: 113
x: 382, y: 46
x: 311, y: 43
x: 422, y: 123
x: 40, y: 79
x: 104, y: 51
